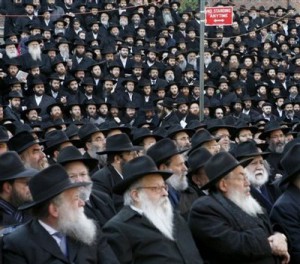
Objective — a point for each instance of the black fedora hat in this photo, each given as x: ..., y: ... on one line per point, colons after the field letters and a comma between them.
x: 49, y: 183
x: 200, y: 137
x: 290, y: 163
x: 71, y: 154
x: 241, y: 124
x: 248, y: 149
x: 135, y: 170
x: 270, y: 127
x: 163, y: 150
x: 12, y: 167
x: 21, y: 142
x: 168, y: 102
x: 174, y: 129
x: 219, y: 165
x: 141, y: 133
x: 119, y: 143
x: 53, y: 139
x: 87, y: 130
x: 197, y: 159
x: 215, y: 124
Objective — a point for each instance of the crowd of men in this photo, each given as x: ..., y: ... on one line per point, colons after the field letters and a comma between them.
x: 103, y: 158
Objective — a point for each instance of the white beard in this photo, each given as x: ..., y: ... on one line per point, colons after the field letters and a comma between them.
x: 246, y: 202
x: 65, y: 53
x: 182, y: 65
x: 178, y: 182
x: 85, y: 192
x: 207, y: 61
x: 12, y: 54
x: 257, y: 179
x: 75, y: 224
x: 167, y: 18
x: 160, y: 214
x: 35, y: 53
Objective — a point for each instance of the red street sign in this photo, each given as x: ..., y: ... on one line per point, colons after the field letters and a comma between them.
x: 218, y: 16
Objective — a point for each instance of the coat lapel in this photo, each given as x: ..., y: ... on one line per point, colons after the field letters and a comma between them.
x: 47, y: 242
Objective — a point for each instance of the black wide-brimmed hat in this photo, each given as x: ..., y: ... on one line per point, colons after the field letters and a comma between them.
x: 119, y: 143
x: 200, y: 137
x: 21, y: 142
x: 240, y: 125
x: 248, y: 149
x: 71, y: 154
x: 219, y: 165
x: 290, y: 164
x: 270, y: 127
x: 87, y: 130
x: 49, y: 183
x: 163, y: 150
x: 135, y: 170
x: 197, y: 159
x: 215, y: 124
x: 140, y: 134
x: 12, y: 167
x: 53, y: 139
x: 174, y: 129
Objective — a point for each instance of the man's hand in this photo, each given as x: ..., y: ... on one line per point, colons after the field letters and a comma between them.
x: 279, y: 246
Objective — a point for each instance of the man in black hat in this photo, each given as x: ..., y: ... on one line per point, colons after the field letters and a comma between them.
x: 167, y: 114
x: 202, y: 138
x: 257, y: 172
x: 14, y: 189
x: 230, y: 214
x: 285, y: 211
x: 147, y: 223
x: 94, y: 141
x: 60, y: 231
x: 79, y: 57
x: 167, y: 157
x: 29, y: 150
x: 129, y: 95
x: 119, y: 150
x: 98, y: 205
x: 40, y: 99
x: 13, y: 110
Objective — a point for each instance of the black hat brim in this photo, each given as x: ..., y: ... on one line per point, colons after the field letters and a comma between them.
x: 54, y: 191
x: 116, y: 150
x: 243, y: 163
x: 121, y: 187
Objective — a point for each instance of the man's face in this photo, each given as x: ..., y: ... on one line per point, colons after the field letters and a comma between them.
x: 15, y: 103
x: 183, y: 109
x: 32, y: 115
x: 34, y: 157
x: 194, y: 109
x: 91, y: 110
x: 76, y: 111
x: 20, y: 192
x: 178, y: 180
x: 89, y: 89
x: 244, y: 135
x: 223, y: 87
x: 256, y: 172
x: 224, y: 136
x: 182, y: 140
x: 56, y: 112
x: 39, y: 89
x: 60, y: 68
x: 13, y: 70
x: 73, y: 86
x: 276, y: 141
x: 238, y: 182
x: 29, y: 9
x: 267, y: 110
x: 55, y: 85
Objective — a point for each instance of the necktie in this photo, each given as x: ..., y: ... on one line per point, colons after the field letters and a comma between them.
x: 62, y: 243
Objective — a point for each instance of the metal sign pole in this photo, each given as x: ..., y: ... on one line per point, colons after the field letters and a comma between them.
x: 201, y: 54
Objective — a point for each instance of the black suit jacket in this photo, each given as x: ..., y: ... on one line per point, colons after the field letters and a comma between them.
x: 136, y: 240
x: 45, y: 102
x: 224, y: 233
x: 286, y: 214
x: 31, y: 243
x: 104, y: 180
x: 99, y: 207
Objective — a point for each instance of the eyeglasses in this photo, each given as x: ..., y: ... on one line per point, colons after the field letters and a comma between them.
x: 156, y: 189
